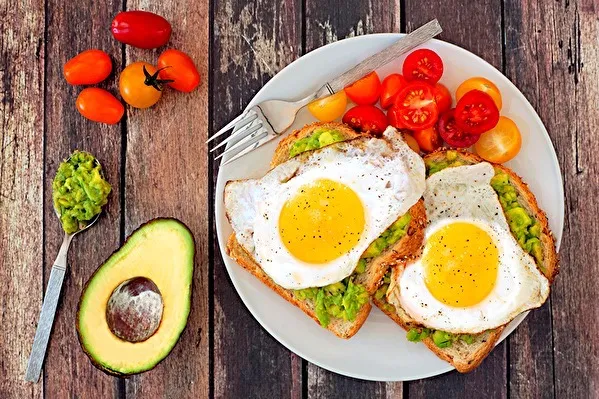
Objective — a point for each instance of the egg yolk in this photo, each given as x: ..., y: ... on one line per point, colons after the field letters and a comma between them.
x: 322, y: 222
x: 460, y: 262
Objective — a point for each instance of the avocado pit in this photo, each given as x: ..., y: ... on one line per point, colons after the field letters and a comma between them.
x: 134, y: 310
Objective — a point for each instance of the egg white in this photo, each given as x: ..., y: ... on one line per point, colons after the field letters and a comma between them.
x: 386, y: 174
x: 464, y: 193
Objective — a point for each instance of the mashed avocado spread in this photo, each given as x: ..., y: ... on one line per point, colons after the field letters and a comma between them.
x: 79, y: 191
x: 320, y: 137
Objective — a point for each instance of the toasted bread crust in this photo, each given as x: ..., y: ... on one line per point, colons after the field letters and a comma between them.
x: 469, y: 356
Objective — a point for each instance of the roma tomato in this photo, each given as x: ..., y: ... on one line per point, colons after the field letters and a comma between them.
x: 329, y: 108
x: 141, y: 29
x: 428, y: 139
x: 442, y: 98
x: 501, y: 143
x: 365, y: 91
x: 177, y: 66
x: 482, y: 84
x: 453, y: 135
x: 391, y: 85
x: 99, y: 105
x: 366, y: 119
x: 423, y: 64
x: 416, y: 106
x: 139, y: 85
x: 476, y: 112
x: 87, y: 68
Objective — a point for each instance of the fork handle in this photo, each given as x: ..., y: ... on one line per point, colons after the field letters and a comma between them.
x: 403, y: 45
x: 46, y: 320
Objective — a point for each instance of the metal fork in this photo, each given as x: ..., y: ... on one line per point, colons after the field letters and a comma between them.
x: 264, y: 122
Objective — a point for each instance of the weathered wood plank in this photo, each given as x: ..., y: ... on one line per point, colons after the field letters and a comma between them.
x: 252, y: 41
x: 326, y: 23
x: 166, y: 170
x: 477, y: 29
x: 551, y: 54
x: 72, y: 28
x: 21, y: 190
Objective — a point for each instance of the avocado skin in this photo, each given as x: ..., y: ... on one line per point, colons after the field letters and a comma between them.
x: 98, y: 365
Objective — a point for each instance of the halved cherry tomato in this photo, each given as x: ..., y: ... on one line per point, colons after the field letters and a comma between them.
x: 177, y: 66
x: 482, y: 84
x: 416, y: 106
x: 366, y: 119
x: 423, y: 64
x: 442, y: 98
x: 428, y: 139
x: 411, y: 142
x: 476, y: 112
x: 141, y: 29
x: 99, y: 105
x: 394, y: 119
x: 329, y: 108
x: 87, y: 68
x: 391, y: 85
x: 501, y: 143
x: 453, y: 135
x: 139, y: 85
x: 365, y: 91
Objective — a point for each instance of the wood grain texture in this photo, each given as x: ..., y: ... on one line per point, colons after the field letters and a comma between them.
x: 21, y: 191
x: 477, y: 29
x: 326, y: 23
x: 252, y: 41
x: 166, y: 175
x: 555, y: 45
x: 68, y: 371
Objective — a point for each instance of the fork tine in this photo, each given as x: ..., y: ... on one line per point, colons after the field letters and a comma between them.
x: 252, y: 147
x: 244, y: 131
x: 245, y: 142
x: 227, y: 127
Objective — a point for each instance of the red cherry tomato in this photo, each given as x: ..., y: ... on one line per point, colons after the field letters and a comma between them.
x: 141, y: 29
x: 178, y: 66
x: 99, y: 105
x: 87, y: 68
x: 394, y: 118
x: 442, y: 98
x: 428, y: 139
x: 476, y: 112
x: 365, y: 91
x: 416, y: 106
x: 452, y: 134
x: 366, y: 119
x: 391, y: 85
x: 423, y: 64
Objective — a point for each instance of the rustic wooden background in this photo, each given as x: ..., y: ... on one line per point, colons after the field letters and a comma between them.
x: 158, y: 166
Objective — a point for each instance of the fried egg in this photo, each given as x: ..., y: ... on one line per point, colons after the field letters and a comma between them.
x: 472, y: 275
x: 308, y: 220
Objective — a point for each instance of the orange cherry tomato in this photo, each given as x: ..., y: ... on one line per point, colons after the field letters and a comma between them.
x: 139, y: 85
x: 365, y: 91
x: 87, y: 68
x: 482, y: 84
x: 501, y: 143
x: 329, y: 108
x: 391, y: 85
x: 442, y: 98
x: 412, y: 143
x: 177, y: 66
x: 428, y: 139
x: 99, y: 105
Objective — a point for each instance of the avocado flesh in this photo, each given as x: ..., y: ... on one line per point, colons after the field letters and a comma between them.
x: 161, y: 250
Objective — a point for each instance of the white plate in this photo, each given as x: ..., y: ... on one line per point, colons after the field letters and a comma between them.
x: 379, y: 351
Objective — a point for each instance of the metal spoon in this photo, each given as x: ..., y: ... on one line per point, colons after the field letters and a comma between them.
x: 46, y: 319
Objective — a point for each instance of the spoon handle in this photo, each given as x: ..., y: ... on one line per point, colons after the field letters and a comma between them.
x: 46, y: 319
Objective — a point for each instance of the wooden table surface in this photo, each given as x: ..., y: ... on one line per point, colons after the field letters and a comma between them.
x: 158, y: 165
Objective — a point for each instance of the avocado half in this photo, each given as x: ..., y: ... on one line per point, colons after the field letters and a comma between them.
x: 163, y: 251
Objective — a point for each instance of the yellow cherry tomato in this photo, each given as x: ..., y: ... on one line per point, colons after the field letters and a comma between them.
x: 482, y: 84
x: 501, y: 143
x: 329, y: 108
x: 139, y: 85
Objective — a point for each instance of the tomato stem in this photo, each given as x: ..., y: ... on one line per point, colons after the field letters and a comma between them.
x: 152, y: 80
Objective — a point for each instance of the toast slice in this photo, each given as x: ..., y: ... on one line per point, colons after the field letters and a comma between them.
x: 375, y: 267
x: 462, y: 355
